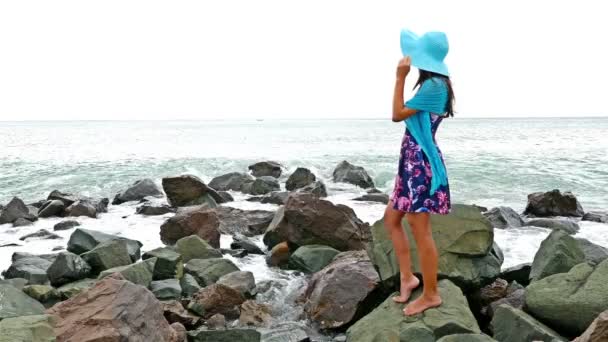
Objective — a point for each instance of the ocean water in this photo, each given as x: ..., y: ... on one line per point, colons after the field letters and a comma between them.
x: 490, y: 162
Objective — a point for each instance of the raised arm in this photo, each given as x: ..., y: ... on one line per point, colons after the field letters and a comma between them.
x: 401, y: 112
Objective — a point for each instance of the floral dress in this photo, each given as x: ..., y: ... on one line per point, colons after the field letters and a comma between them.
x: 413, y: 182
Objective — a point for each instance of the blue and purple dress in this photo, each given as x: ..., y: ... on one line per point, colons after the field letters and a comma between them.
x: 412, y: 192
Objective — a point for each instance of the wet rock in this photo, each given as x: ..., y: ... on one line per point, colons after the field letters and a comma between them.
x: 553, y: 203
x: 166, y: 289
x: 226, y: 196
x: 597, y: 331
x: 65, y: 225
x: 515, y: 299
x: 139, y: 273
x: 262, y: 186
x: 242, y: 242
x: 216, y: 298
x: 71, y: 289
x: 346, y: 172
x: 596, y: 216
x: 569, y: 302
x: 237, y: 253
x: 466, y: 338
x: 242, y: 281
x: 15, y: 303
x: 510, y: 324
x: 279, y: 255
x: 307, y: 220
x: 113, y: 310
x: 594, y: 254
x: 558, y: 253
x: 387, y: 322
x: 266, y: 168
x: 246, y: 222
x: 231, y: 181
x: 42, y: 234
x: 85, y: 240
x: 464, y: 240
x: 567, y: 226
x: 519, y: 273
x: 193, y: 247
x: 148, y: 209
x: 189, y: 190
x: 287, y: 332
x: 15, y: 209
x: 328, y: 304
x: 138, y: 191
x: 380, y: 198
x: 21, y: 222
x: 254, y: 314
x: 66, y: 198
x: 216, y: 322
x: 15, y: 282
x: 176, y: 313
x: 275, y: 197
x: 51, y: 208
x: 317, y: 189
x: 300, y: 178
x: 504, y: 217
x: 33, y: 328
x: 67, y: 267
x: 189, y: 285
x: 87, y: 207
x: 30, y: 267
x: 44, y: 294
x: 231, y: 335
x: 169, y: 264
x: 203, y: 223
x: 107, y: 255
x: 312, y: 258
x: 208, y: 271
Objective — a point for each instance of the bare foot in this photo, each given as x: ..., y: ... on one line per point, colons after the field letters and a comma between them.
x: 421, y: 304
x: 407, y: 286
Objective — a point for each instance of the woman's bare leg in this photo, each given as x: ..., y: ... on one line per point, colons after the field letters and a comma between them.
x: 420, y: 223
x: 392, y: 222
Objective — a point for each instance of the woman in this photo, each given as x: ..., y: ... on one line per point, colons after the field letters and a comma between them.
x: 421, y: 185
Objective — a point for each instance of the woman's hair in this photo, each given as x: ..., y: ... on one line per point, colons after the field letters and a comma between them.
x: 425, y: 75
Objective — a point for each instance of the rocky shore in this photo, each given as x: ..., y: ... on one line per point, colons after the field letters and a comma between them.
x: 106, y: 287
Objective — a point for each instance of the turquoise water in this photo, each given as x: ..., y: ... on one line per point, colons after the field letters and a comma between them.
x: 490, y: 161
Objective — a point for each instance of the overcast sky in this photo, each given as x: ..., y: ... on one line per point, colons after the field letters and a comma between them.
x: 284, y: 59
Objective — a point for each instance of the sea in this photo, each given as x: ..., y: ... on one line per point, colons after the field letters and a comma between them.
x: 490, y: 162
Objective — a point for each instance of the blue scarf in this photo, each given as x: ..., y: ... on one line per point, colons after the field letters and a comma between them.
x: 432, y: 97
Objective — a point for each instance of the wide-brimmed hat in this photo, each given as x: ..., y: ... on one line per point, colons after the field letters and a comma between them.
x: 427, y: 51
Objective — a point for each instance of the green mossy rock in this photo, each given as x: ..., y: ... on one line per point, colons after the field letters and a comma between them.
x: 513, y: 325
x: 311, y: 258
x: 193, y: 247
x: 208, y: 271
x: 15, y: 303
x: 34, y: 328
x: 139, y: 273
x: 558, y: 253
x: 169, y: 264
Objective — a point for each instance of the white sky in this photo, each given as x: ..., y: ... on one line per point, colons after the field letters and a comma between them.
x: 286, y: 59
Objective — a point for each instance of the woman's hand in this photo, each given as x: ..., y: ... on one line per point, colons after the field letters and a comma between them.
x: 403, y: 68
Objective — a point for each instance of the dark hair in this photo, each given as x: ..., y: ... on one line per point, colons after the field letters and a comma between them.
x: 425, y: 75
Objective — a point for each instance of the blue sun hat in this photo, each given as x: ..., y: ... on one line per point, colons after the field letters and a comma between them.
x: 427, y: 51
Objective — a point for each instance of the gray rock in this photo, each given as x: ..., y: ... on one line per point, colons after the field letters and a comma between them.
x: 154, y: 210
x: 15, y: 303
x: 317, y: 188
x: 594, y: 254
x: 558, y: 253
x: 193, y: 247
x: 312, y: 258
x: 67, y: 267
x: 299, y: 179
x: 263, y: 185
x: 515, y: 299
x: 242, y: 242
x: 519, y: 273
x: 226, y: 196
x: 30, y: 267
x: 189, y: 190
x: 87, y: 207
x: 14, y: 210
x: 266, y: 169
x: 21, y: 222
x: 42, y: 234
x: 242, y: 281
x: 139, y: 273
x: 237, y: 253
x: 553, y: 203
x: 189, y: 285
x: 66, y: 198
x: 166, y: 289
x: 345, y: 172
x: 596, y: 216
x: 504, y: 217
x: 66, y: 224
x: 466, y: 338
x: 567, y: 226
x: 380, y: 198
x: 246, y: 222
x: 514, y: 325
x: 51, y: 208
x: 286, y: 332
x: 107, y: 255
x: 138, y: 191
x: 16, y: 282
x: 169, y: 264
x: 275, y: 197
x: 231, y: 181
x: 231, y: 335
x: 84, y: 240
x: 208, y: 271
x: 33, y: 328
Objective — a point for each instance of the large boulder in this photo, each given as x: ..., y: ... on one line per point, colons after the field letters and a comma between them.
x: 338, y: 294
x: 204, y: 223
x: 300, y: 178
x: 15, y: 303
x: 208, y: 271
x: 67, y: 267
x: 232, y: 181
x: 312, y: 258
x: 307, y: 220
x: 139, y: 273
x: 87, y: 207
x: 387, y: 322
x: 217, y: 298
x: 84, y: 240
x: 266, y: 169
x: 513, y: 325
x: 193, y: 247
x: 558, y: 253
x: 242, y: 281
x: 346, y: 172
x: 21, y: 222
x: 504, y: 217
x: 107, y: 255
x: 65, y: 197
x: 565, y: 225
x: 34, y: 328
x: 596, y: 216
x: 169, y: 263
x: 15, y: 209
x: 261, y: 186
x: 114, y: 310
x: 553, y: 203
x: 317, y: 188
x: 138, y: 191
x: 597, y: 331
x: 30, y: 267
x: 166, y: 289
x: 594, y: 254
x: 246, y: 222
x: 569, y: 302
x: 189, y: 190
x: 51, y: 208
x: 464, y: 240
